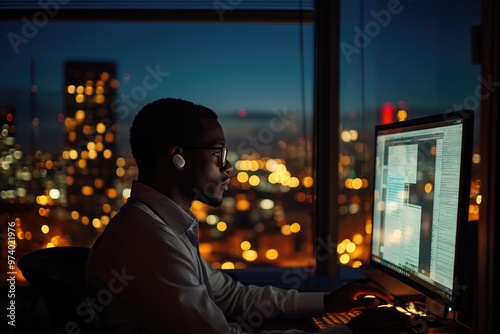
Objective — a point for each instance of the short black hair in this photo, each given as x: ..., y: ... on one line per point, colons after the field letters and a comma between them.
x: 163, y: 124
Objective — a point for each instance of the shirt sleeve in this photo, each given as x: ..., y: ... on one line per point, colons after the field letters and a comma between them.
x: 238, y: 300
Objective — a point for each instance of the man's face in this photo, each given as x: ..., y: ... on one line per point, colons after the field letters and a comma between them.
x: 206, y: 176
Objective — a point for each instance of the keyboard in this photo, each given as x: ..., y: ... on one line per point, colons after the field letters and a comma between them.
x: 334, y: 318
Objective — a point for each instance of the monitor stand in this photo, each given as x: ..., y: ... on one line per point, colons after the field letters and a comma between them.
x: 434, y: 318
x: 412, y: 298
x: 445, y: 326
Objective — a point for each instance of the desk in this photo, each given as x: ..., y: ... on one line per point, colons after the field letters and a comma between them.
x: 274, y: 276
x: 258, y: 325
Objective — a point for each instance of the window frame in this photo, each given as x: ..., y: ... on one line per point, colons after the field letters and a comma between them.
x: 324, y: 212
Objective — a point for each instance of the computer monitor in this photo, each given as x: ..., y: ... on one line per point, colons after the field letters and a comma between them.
x: 421, y: 203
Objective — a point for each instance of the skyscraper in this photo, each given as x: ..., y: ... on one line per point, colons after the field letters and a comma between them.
x: 90, y: 136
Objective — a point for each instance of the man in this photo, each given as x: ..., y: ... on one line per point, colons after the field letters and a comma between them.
x: 147, y: 262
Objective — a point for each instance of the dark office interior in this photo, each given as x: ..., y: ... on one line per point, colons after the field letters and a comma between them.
x: 345, y: 82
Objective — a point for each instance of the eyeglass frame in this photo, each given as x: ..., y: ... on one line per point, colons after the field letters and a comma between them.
x: 223, y: 152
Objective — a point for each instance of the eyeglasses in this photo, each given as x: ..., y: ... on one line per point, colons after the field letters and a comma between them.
x: 222, y: 153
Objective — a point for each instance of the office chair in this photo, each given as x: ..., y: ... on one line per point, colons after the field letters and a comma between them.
x: 59, y: 274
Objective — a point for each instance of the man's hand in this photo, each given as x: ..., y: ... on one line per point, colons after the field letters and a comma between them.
x: 355, y: 295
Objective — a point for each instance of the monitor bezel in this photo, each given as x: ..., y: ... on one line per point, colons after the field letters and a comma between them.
x: 459, y: 282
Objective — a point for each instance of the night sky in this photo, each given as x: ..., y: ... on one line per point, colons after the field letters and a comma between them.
x: 202, y: 61
x: 420, y: 54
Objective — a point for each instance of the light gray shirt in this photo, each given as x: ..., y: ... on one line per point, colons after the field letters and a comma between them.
x: 146, y: 278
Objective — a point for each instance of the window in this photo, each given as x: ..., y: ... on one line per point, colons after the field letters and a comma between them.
x: 255, y: 68
x: 70, y: 90
x: 398, y: 60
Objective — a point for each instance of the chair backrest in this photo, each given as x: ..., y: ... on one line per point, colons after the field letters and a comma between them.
x: 59, y: 274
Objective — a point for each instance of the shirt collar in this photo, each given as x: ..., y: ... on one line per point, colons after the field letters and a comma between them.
x: 164, y: 207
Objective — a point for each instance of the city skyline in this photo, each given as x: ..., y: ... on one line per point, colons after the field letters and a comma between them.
x: 255, y: 67
x: 172, y: 74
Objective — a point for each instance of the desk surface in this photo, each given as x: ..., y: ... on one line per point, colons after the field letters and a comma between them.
x: 258, y: 325
x: 281, y: 277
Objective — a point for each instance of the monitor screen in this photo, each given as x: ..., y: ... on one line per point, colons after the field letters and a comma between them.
x: 421, y: 199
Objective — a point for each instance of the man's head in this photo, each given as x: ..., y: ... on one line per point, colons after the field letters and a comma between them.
x: 177, y: 146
